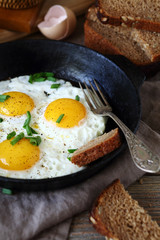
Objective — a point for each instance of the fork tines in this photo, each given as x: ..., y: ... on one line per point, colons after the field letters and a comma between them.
x: 92, y: 97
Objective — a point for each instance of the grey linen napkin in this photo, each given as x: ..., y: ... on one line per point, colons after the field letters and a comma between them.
x: 44, y: 216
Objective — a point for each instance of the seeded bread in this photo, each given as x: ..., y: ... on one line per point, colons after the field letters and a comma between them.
x: 149, y: 42
x: 140, y: 46
x: 140, y: 14
x: 117, y: 216
x: 97, y: 148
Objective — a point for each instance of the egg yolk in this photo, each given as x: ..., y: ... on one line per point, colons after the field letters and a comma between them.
x: 73, y: 111
x: 21, y: 156
x: 17, y: 104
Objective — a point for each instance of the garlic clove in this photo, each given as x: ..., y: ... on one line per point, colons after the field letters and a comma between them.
x: 59, y: 22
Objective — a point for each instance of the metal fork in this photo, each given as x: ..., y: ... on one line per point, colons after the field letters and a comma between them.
x: 142, y: 156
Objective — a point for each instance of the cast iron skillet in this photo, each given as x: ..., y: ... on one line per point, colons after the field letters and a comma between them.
x: 120, y: 83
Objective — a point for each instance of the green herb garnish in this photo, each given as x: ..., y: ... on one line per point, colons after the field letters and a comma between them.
x: 72, y: 150
x: 56, y: 85
x: 27, y: 121
x: 10, y: 135
x: 52, y: 79
x: 41, y: 77
x: 48, y: 74
x: 4, y: 98
x: 1, y: 120
x: 33, y: 131
x: 35, y: 140
x: 69, y: 158
x: 77, y: 98
x: 29, y: 130
x: 17, y: 138
x: 60, y: 118
x: 26, y: 124
x: 7, y: 191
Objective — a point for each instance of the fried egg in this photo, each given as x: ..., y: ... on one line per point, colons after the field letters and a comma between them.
x: 62, y: 122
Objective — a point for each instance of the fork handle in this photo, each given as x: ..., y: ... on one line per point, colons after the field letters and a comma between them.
x: 142, y: 156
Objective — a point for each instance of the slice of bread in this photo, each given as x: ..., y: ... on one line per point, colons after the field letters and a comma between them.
x: 139, y: 46
x: 149, y: 42
x: 142, y: 14
x: 116, y: 215
x: 97, y: 148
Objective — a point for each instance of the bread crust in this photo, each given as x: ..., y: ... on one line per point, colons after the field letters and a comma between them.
x: 97, y: 42
x: 115, y: 203
x: 129, y: 21
x: 96, y: 220
x: 150, y: 48
x: 96, y: 150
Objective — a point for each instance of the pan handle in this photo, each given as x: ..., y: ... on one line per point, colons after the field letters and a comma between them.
x: 132, y: 71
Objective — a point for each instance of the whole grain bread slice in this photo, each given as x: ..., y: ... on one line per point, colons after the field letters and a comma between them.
x: 142, y: 14
x: 140, y: 46
x: 116, y: 215
x: 97, y: 148
x: 109, y: 39
x: 149, y: 42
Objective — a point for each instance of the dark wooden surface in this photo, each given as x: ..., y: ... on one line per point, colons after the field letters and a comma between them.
x: 146, y: 191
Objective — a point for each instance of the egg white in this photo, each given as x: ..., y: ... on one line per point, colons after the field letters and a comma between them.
x: 55, y: 141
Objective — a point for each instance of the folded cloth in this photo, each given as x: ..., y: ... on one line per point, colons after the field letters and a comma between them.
x: 44, y: 216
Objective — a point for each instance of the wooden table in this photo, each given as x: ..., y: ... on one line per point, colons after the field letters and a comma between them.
x: 146, y: 191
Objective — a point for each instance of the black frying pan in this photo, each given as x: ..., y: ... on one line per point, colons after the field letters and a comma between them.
x: 118, y: 78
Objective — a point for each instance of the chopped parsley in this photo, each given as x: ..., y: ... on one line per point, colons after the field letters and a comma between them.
x: 1, y: 120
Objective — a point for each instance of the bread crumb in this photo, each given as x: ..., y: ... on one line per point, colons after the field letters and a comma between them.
x: 141, y: 181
